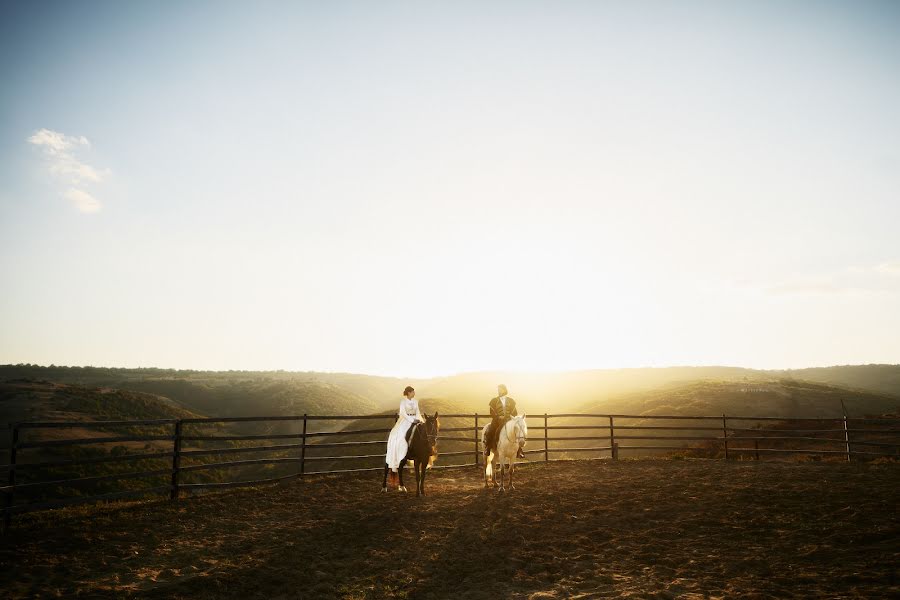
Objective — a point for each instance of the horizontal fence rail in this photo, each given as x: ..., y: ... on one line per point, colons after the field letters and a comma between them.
x: 166, y: 444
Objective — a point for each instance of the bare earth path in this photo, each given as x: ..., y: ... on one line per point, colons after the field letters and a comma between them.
x: 598, y: 529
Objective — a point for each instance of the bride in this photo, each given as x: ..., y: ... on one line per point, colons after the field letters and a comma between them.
x: 409, y: 414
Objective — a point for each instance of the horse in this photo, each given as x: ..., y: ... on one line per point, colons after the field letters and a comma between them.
x: 512, y: 437
x: 422, y: 451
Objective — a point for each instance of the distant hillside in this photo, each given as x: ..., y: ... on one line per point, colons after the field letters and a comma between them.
x: 226, y: 394
x: 758, y: 398
x: 884, y: 379
x: 25, y: 400
x: 237, y: 393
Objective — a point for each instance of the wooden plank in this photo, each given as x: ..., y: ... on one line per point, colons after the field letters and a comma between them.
x: 392, y: 417
x: 613, y: 446
x: 788, y: 438
x: 176, y: 461
x: 87, y: 461
x: 581, y: 438
x: 455, y: 429
x: 238, y: 463
x: 237, y: 484
x: 11, y: 480
x: 368, y: 469
x: 349, y: 457
x: 800, y: 430
x: 344, y: 444
x: 92, y: 424
x: 241, y: 419
x: 725, y: 435
x: 665, y: 437
x: 106, y: 440
x: 643, y: 417
x: 343, y: 432
x: 476, y: 436
x: 206, y: 452
x: 673, y: 427
x: 303, y: 446
x: 787, y: 450
x: 846, y: 433
x: 661, y: 447
x: 546, y: 453
x: 578, y: 449
x: 572, y: 426
x: 233, y: 438
x: 87, y: 480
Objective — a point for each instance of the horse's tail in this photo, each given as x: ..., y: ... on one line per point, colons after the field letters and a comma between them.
x: 489, y: 468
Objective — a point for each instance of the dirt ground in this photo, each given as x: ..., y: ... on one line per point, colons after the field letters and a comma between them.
x: 587, y: 529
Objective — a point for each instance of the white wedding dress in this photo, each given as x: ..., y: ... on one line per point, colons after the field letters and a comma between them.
x: 397, y: 446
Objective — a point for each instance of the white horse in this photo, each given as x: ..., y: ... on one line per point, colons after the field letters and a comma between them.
x: 512, y: 437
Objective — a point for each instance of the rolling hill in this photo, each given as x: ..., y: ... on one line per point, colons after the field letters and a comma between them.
x: 235, y: 393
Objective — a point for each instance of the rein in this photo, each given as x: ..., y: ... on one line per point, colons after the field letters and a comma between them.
x: 520, y: 437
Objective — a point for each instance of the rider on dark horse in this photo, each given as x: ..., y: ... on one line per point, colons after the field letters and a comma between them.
x: 503, y: 408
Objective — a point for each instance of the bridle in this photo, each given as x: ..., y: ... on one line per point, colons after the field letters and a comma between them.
x: 431, y: 430
x: 520, y: 435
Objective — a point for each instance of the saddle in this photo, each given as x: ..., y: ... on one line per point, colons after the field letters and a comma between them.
x: 410, y: 432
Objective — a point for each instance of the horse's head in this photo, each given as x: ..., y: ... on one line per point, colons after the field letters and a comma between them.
x: 432, y: 427
x: 521, y: 426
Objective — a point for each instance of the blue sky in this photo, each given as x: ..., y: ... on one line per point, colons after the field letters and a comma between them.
x: 427, y: 188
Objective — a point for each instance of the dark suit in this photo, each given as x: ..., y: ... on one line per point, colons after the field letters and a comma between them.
x: 499, y: 417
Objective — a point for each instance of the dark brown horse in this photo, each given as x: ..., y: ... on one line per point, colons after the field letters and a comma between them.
x: 422, y: 451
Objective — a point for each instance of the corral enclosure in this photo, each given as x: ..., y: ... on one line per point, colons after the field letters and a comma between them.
x: 172, y: 457
x: 574, y: 529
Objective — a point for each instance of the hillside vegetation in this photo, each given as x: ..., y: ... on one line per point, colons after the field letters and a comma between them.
x: 232, y: 393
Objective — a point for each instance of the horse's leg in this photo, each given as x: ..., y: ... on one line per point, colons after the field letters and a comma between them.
x: 512, y: 469
x: 400, y: 468
x: 384, y: 483
x: 416, y: 465
x: 496, y: 462
x: 424, y: 471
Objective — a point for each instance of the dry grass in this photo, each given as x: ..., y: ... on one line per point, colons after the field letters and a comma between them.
x: 600, y: 529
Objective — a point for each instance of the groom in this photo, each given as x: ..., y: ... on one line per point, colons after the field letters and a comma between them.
x: 503, y: 408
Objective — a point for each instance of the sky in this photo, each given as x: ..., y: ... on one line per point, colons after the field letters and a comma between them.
x: 427, y: 188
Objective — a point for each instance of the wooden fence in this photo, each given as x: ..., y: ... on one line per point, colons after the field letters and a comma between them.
x: 843, y: 437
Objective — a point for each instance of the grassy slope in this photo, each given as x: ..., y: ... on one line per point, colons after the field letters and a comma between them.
x: 758, y: 397
x: 276, y: 392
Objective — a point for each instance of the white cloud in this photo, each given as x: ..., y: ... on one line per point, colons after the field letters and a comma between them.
x: 59, y: 150
x: 54, y: 142
x: 82, y: 200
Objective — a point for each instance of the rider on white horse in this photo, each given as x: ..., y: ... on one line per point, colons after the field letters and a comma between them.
x: 503, y: 408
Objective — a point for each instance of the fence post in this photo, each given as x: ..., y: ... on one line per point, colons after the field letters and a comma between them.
x: 476, y: 439
x: 725, y: 435
x: 613, y: 446
x: 846, y: 432
x: 303, y: 448
x: 546, y: 435
x: 11, y: 481
x: 756, y: 448
x: 176, y: 461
